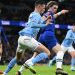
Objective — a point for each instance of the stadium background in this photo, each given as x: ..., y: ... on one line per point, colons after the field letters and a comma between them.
x: 19, y: 10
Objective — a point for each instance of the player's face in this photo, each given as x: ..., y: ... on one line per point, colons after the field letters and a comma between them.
x: 42, y: 8
x: 54, y: 8
x: 73, y: 28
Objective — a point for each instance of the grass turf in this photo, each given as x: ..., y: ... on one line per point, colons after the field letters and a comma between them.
x: 41, y: 70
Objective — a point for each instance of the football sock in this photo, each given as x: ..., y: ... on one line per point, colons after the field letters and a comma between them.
x: 10, y: 65
x: 39, y: 57
x: 59, y: 59
x: 72, y: 62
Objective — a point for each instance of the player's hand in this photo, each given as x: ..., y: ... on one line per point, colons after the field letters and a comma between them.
x: 49, y: 17
x: 49, y: 20
x: 64, y: 11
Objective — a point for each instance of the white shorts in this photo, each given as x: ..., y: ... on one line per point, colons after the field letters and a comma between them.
x: 25, y: 42
x: 69, y: 49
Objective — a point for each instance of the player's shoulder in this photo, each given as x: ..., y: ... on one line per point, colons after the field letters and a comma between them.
x: 47, y: 13
x: 35, y: 14
x: 69, y: 31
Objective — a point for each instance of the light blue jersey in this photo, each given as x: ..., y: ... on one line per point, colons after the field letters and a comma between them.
x: 33, y: 25
x: 69, y: 39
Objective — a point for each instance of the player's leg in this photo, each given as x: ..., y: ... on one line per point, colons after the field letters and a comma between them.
x: 72, y: 63
x: 38, y: 48
x: 51, y: 61
x: 10, y: 66
x: 34, y: 55
x: 45, y: 53
x: 29, y: 63
x: 24, y: 65
x: 14, y: 60
x: 72, y: 53
x: 59, y: 59
x: 51, y: 42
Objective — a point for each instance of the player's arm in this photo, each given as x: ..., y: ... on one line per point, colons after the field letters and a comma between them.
x: 34, y: 22
x: 60, y: 13
x: 35, y: 25
x: 45, y: 19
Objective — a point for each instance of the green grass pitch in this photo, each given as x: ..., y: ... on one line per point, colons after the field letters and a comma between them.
x: 41, y: 70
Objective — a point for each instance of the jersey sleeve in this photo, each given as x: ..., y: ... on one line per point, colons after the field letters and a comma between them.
x: 35, y: 21
x: 68, y: 35
x: 34, y: 18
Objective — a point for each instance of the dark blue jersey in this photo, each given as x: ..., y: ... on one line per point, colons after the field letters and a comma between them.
x: 50, y: 27
x: 47, y: 36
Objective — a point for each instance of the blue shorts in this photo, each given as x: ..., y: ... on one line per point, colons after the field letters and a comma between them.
x: 48, y: 39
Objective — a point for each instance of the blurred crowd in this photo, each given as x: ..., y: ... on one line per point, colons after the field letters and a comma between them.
x: 20, y: 10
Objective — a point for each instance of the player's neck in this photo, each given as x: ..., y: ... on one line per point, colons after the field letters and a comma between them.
x: 36, y: 10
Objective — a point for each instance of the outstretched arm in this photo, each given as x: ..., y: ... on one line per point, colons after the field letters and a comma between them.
x: 60, y: 13
x: 45, y: 22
